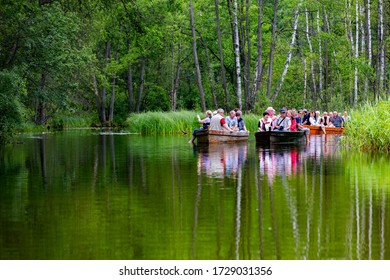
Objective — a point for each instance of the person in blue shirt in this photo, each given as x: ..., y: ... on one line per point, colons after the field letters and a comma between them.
x: 206, y: 122
x: 231, y: 120
x: 240, y: 122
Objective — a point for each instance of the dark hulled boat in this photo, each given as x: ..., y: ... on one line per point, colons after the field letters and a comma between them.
x: 279, y: 137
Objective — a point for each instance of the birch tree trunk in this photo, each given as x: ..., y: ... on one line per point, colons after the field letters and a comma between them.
x: 141, y: 84
x: 97, y: 96
x: 258, y: 71
x: 112, y: 99
x: 175, y: 87
x: 223, y: 72
x: 305, y: 78
x: 236, y: 45
x: 311, y: 59
x: 356, y: 52
x: 247, y: 78
x: 103, y: 92
x: 288, y: 60
x: 196, y: 61
x: 320, y: 56
x: 130, y: 88
x: 381, y: 51
x: 175, y: 77
x: 363, y: 49
x: 351, y: 39
x: 326, y: 58
x: 271, y: 53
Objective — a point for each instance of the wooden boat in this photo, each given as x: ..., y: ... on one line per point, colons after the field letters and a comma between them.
x: 216, y: 136
x: 316, y: 130
x: 279, y: 137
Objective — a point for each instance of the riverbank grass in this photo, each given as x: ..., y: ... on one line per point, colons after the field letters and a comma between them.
x: 369, y: 128
x: 174, y: 122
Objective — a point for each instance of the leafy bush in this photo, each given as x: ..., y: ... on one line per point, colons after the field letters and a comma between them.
x: 10, y: 107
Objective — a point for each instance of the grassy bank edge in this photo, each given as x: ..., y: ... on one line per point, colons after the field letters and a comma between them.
x: 369, y: 128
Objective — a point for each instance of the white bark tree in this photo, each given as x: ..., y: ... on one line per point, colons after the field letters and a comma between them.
x: 288, y: 60
x: 237, y: 54
x: 311, y: 56
x: 319, y: 54
x: 258, y: 71
x: 355, y: 96
x: 381, y: 48
x: 271, y: 53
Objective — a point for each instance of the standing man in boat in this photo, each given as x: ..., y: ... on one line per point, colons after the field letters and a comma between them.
x: 218, y: 122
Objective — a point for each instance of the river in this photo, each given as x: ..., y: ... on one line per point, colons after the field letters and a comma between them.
x: 80, y: 195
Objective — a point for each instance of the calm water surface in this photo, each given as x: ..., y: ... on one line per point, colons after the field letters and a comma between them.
x: 81, y: 195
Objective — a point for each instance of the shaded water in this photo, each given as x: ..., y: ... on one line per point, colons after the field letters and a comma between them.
x: 81, y: 195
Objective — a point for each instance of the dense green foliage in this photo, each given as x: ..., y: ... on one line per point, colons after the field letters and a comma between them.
x: 369, y: 128
x: 10, y: 107
x: 109, y: 59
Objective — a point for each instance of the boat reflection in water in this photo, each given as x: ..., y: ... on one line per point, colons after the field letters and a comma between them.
x: 219, y: 161
x: 287, y: 160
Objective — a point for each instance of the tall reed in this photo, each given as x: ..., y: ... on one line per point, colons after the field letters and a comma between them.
x: 174, y: 122
x: 369, y: 127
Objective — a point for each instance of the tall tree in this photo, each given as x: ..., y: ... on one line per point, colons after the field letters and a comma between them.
x: 289, y: 55
x: 141, y: 84
x: 314, y: 86
x: 247, y: 59
x: 259, y: 56
x: 355, y: 96
x: 221, y: 58
x: 196, y: 60
x: 236, y: 47
x: 272, y: 50
x: 380, y: 72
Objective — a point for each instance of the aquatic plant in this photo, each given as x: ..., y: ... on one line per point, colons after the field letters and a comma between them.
x: 369, y: 127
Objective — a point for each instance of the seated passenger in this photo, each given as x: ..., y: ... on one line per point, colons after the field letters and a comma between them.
x: 346, y: 117
x: 265, y: 123
x: 292, y: 115
x: 305, y: 117
x: 240, y: 122
x: 319, y: 121
x: 206, y: 123
x: 282, y: 123
x: 301, y: 127
x: 231, y: 120
x: 325, y: 120
x: 218, y: 122
x: 337, y: 120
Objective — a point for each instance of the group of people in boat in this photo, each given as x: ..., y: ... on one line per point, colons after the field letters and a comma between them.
x: 217, y: 121
x: 298, y: 120
x: 287, y: 120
